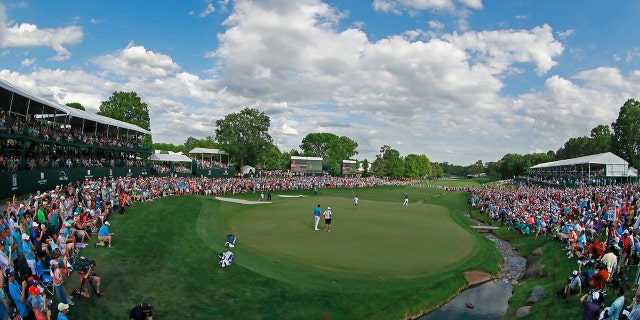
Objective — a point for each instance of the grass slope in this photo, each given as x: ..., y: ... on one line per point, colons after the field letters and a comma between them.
x: 384, y: 261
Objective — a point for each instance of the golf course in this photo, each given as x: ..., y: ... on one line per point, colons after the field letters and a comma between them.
x: 382, y: 260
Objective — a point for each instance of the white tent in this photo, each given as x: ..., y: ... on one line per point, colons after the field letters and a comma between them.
x: 248, y: 169
x: 607, y: 164
x: 170, y: 157
x: 209, y: 154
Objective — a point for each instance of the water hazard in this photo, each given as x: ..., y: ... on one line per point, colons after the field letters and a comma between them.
x: 490, y: 300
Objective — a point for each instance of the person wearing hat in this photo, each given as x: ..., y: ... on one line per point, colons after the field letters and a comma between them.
x: 591, y: 306
x: 58, y: 287
x: 104, y: 235
x: 142, y: 311
x: 18, y: 292
x: 29, y: 251
x: 327, y: 219
x: 63, y: 310
x: 574, y: 284
x: 38, y: 305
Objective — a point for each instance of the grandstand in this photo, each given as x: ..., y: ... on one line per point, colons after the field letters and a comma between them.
x: 44, y: 144
x: 603, y: 168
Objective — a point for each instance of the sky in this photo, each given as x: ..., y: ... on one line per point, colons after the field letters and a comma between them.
x: 456, y: 80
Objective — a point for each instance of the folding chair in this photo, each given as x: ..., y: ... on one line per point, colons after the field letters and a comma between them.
x: 45, y: 277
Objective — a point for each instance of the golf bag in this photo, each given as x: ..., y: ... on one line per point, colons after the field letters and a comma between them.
x: 226, y: 258
x: 231, y: 241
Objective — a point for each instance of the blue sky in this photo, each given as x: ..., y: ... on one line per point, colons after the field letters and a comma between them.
x: 456, y: 80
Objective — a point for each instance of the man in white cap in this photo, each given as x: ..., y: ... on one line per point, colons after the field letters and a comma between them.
x: 29, y: 251
x: 574, y: 284
x: 327, y: 219
x: 63, y: 310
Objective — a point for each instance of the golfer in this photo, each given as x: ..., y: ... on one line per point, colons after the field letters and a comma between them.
x: 355, y: 202
x: 327, y: 219
x: 406, y: 199
x: 316, y: 217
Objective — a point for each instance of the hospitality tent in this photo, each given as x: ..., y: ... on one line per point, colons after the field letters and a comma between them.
x: 209, y: 154
x: 604, y: 164
x: 169, y: 157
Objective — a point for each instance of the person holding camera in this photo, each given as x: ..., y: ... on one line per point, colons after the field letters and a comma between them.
x: 88, y: 277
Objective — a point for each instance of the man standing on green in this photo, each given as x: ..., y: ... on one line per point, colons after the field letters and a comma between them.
x: 316, y: 217
x: 327, y: 219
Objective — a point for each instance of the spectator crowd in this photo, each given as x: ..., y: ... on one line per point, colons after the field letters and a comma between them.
x: 598, y: 225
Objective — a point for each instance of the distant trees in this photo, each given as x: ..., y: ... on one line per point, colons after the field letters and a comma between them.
x: 626, y: 132
x: 332, y: 148
x: 76, y: 105
x: 126, y: 107
x: 245, y: 136
x: 129, y: 108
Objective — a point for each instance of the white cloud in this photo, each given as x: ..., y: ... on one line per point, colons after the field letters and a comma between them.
x: 566, y: 34
x: 29, y: 35
x: 137, y: 61
x: 28, y: 62
x: 435, y: 24
x: 208, y: 10
x: 411, y: 6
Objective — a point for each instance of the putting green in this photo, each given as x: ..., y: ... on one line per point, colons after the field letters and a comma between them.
x: 381, y: 240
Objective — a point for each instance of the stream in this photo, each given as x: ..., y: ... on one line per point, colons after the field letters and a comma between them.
x: 490, y: 300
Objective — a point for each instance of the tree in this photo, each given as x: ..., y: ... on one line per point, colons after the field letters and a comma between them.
x: 127, y: 107
x: 330, y: 147
x: 393, y: 163
x: 416, y: 166
x: 436, y: 171
x: 626, y: 132
x: 275, y: 160
x: 76, y: 105
x: 601, y: 138
x: 512, y: 165
x: 365, y: 168
x: 575, y: 147
x: 476, y: 168
x: 245, y: 136
x: 191, y: 143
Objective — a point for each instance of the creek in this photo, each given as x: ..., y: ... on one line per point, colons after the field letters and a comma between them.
x: 487, y: 301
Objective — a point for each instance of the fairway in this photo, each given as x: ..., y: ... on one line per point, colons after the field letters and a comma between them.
x: 383, y: 261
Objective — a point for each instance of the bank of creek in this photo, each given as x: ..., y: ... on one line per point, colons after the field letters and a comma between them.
x: 489, y: 300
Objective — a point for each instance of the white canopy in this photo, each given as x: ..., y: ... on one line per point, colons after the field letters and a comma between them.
x: 614, y: 166
x: 170, y: 157
x: 206, y: 151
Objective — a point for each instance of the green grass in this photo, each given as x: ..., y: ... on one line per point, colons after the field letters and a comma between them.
x: 384, y: 261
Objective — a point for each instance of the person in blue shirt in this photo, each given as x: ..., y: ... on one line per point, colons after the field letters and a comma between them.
x: 104, y: 235
x: 18, y: 292
x: 316, y: 217
x: 63, y: 310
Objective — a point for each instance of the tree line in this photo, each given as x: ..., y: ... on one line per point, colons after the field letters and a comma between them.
x: 244, y: 135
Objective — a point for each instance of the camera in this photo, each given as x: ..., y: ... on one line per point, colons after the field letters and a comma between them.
x: 83, y: 264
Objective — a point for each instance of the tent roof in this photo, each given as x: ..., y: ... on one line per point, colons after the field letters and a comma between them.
x: 206, y: 151
x: 602, y: 158
x: 41, y: 105
x: 170, y: 157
